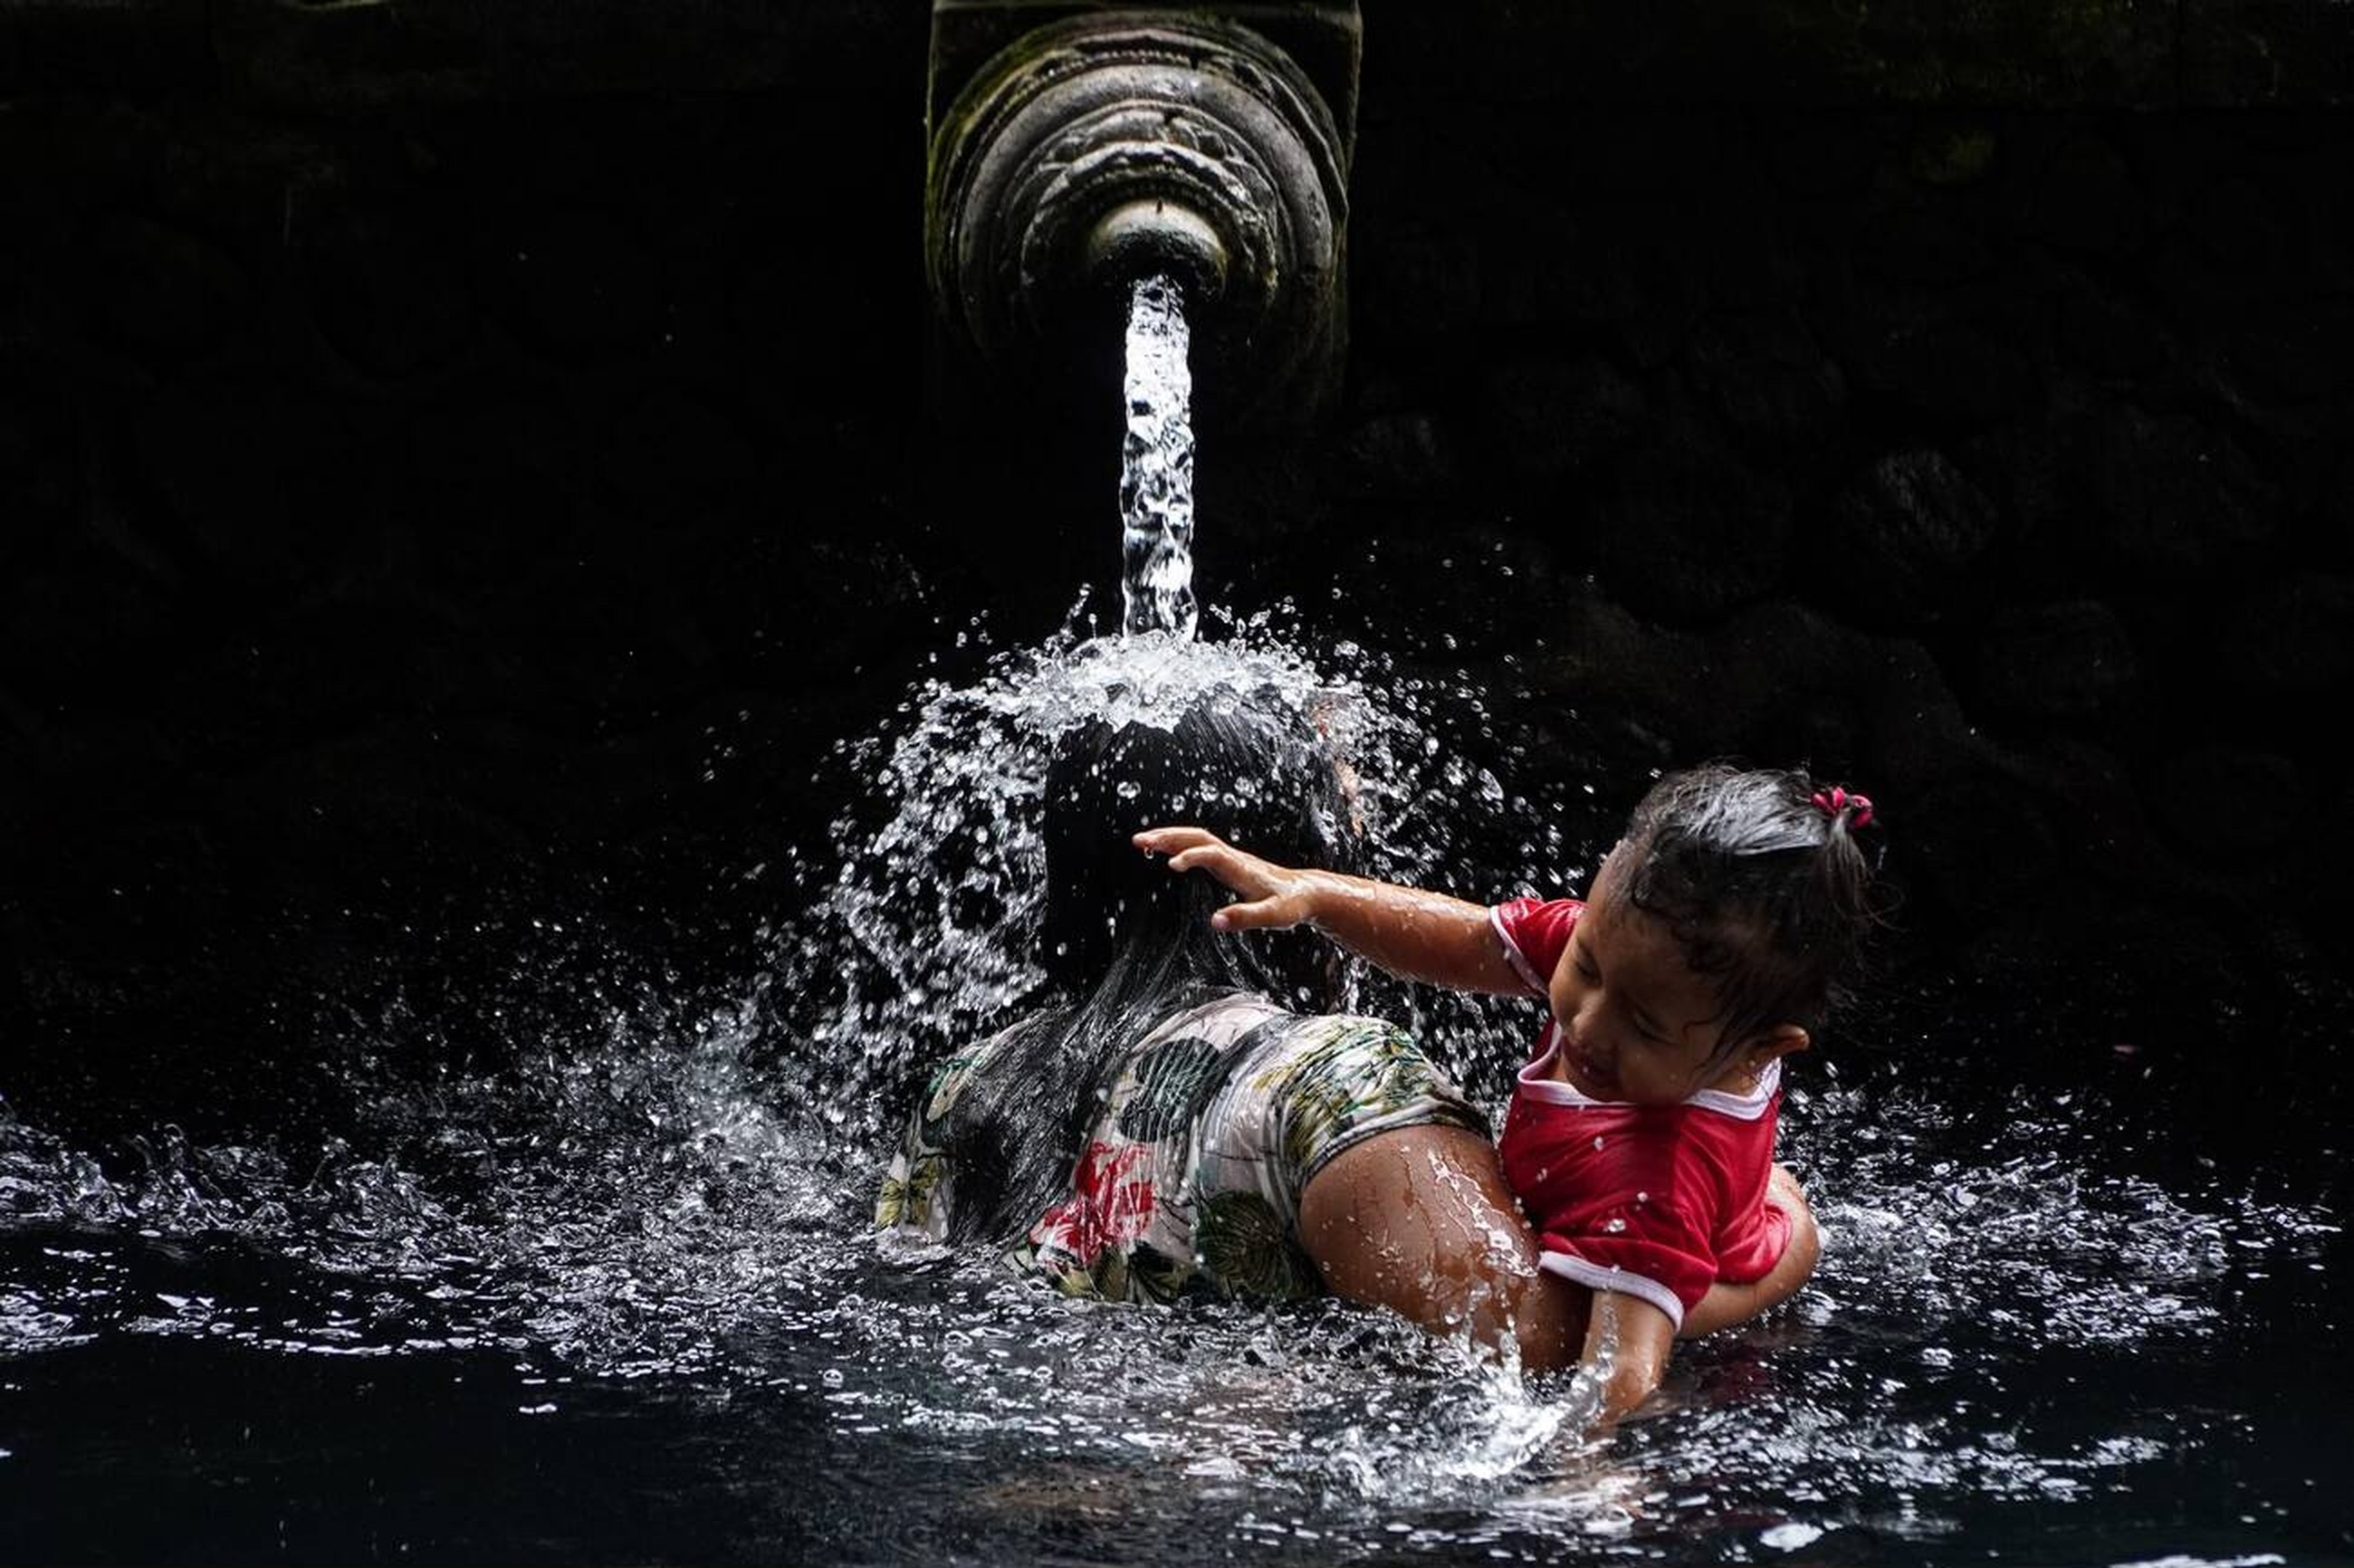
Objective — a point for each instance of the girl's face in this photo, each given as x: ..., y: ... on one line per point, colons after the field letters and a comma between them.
x: 1637, y: 1023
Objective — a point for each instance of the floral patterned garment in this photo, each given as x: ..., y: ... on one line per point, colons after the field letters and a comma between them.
x: 1191, y: 1176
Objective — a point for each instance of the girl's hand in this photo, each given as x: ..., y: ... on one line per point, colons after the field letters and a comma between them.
x: 1271, y: 896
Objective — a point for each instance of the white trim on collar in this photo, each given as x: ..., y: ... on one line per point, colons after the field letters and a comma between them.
x: 1539, y: 1084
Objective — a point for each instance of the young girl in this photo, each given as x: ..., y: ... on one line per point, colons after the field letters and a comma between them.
x: 1639, y: 1139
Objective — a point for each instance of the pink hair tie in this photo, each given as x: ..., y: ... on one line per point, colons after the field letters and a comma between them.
x: 1836, y: 801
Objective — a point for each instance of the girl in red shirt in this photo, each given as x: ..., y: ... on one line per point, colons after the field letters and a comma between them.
x: 1639, y: 1139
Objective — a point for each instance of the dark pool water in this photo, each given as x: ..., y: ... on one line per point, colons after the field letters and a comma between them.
x: 614, y: 1298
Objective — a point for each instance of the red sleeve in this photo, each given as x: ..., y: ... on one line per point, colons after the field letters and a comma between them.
x: 1535, y: 933
x: 1759, y: 1246
x: 1751, y: 1233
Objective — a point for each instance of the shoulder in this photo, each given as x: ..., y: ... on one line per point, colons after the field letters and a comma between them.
x: 1740, y: 1114
x: 1343, y: 1031
x: 1731, y: 1145
x: 1535, y: 933
x: 1358, y: 1048
x: 1220, y: 1021
x: 1363, y: 1023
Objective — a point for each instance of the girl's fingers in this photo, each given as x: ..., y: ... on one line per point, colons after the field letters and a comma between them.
x: 1166, y: 841
x: 1232, y: 867
x: 1193, y: 848
x: 1258, y: 915
x: 1198, y: 849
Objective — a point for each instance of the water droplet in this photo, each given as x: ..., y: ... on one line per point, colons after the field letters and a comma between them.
x: 1790, y: 1537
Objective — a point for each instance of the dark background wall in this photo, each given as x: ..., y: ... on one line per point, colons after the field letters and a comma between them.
x: 456, y: 466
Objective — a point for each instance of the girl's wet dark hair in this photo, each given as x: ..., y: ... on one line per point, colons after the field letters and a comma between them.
x: 1766, y: 890
x: 1125, y: 945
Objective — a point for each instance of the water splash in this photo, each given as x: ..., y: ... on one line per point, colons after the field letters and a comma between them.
x: 1156, y: 480
x: 927, y: 932
x: 675, y: 1200
x: 655, y: 1210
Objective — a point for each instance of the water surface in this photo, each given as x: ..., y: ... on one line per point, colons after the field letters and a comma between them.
x: 615, y: 1298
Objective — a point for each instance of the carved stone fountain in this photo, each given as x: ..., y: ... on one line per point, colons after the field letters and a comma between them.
x: 1075, y: 149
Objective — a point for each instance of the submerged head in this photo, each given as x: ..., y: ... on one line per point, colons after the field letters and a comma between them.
x: 1716, y: 936
x: 1247, y: 765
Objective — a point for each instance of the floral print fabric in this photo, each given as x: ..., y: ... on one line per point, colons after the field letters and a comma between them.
x: 1191, y: 1178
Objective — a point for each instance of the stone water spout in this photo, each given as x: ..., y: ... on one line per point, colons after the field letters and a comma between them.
x: 1079, y: 149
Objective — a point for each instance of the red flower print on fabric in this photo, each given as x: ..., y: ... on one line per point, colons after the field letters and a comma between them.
x: 1106, y: 1206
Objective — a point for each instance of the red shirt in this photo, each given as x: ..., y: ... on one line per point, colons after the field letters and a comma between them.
x: 1659, y: 1202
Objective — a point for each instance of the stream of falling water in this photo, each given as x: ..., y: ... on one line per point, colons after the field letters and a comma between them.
x: 1156, y: 480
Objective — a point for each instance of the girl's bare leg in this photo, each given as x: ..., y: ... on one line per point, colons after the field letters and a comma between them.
x: 1420, y: 1221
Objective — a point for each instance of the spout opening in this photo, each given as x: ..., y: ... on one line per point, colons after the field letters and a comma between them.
x: 1140, y: 239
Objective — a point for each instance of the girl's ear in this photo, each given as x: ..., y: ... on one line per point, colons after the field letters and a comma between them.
x: 1782, y: 1040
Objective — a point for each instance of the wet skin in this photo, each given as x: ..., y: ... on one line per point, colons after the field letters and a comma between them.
x: 1420, y: 1220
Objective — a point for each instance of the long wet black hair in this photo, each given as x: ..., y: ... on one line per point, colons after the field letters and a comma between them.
x: 1125, y: 945
x: 1761, y: 877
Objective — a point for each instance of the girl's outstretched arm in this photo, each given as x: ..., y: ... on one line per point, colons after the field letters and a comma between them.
x: 1412, y: 934
x: 1727, y: 1305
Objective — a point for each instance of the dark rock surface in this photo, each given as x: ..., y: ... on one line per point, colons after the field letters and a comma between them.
x: 2056, y: 661
x: 1901, y: 536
